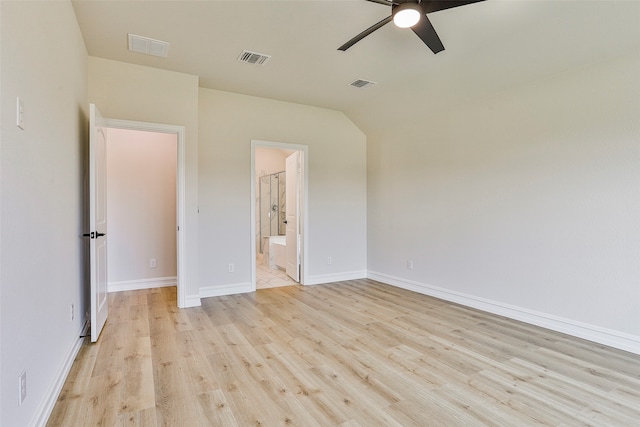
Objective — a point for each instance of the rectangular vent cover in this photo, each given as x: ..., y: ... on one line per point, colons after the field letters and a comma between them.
x: 253, y: 57
x: 148, y: 46
x: 362, y: 84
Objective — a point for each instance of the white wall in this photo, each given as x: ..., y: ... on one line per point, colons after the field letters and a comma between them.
x: 526, y: 204
x: 337, y: 184
x: 44, y: 62
x: 141, y: 208
x: 132, y: 92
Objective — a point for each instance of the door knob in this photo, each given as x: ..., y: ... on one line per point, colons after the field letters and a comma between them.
x: 93, y: 235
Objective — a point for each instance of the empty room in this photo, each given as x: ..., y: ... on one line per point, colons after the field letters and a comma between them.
x: 373, y: 213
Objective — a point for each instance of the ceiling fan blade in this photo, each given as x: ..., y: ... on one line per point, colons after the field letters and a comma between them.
x: 428, y: 35
x: 384, y: 2
x: 365, y: 33
x: 436, y: 5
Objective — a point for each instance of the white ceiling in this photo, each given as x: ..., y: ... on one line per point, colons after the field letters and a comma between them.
x: 490, y: 47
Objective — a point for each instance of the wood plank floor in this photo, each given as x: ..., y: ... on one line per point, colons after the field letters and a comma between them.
x: 356, y: 353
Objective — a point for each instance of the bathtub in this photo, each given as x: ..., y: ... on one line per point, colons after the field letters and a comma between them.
x: 275, y: 252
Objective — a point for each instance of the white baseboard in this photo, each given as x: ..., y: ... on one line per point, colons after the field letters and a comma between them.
x: 192, y: 301
x: 611, y: 338
x: 337, y: 277
x: 51, y: 397
x: 134, y: 285
x: 220, y: 290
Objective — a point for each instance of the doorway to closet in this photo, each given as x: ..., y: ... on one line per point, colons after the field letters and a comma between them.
x: 141, y: 209
x: 98, y: 200
x: 160, y: 277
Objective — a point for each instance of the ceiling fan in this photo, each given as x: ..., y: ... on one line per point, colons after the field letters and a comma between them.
x: 412, y: 14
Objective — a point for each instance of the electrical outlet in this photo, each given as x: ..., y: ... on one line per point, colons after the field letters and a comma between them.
x: 409, y: 264
x: 329, y: 260
x: 22, y: 387
x: 232, y: 268
x: 73, y: 312
x: 153, y: 263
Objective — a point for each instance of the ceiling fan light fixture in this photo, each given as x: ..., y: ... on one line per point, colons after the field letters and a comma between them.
x: 407, y: 15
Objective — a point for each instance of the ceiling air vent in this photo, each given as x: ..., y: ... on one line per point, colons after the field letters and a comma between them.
x: 253, y: 57
x: 362, y: 84
x: 148, y: 46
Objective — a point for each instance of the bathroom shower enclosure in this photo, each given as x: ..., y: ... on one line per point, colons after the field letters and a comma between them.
x: 271, y: 207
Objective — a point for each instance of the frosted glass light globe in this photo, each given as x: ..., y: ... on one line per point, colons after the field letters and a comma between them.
x: 407, y: 15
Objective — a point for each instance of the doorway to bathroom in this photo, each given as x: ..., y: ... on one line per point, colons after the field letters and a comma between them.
x: 278, y: 214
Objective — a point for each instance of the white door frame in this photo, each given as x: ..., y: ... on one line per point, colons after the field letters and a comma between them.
x: 304, y: 230
x: 179, y: 131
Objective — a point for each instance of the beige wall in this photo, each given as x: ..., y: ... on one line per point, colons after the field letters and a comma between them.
x: 526, y: 203
x: 269, y: 160
x: 41, y: 215
x: 132, y: 92
x: 141, y: 207
x: 337, y: 184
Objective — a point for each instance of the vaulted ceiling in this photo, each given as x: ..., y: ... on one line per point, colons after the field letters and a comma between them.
x: 491, y: 46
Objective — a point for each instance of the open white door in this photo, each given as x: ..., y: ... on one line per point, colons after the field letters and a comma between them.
x: 292, y: 207
x: 98, y: 220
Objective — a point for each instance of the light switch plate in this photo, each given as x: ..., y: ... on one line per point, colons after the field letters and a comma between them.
x: 19, y: 113
x: 22, y: 387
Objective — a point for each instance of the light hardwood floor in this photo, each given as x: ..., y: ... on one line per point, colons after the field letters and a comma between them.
x: 356, y: 353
